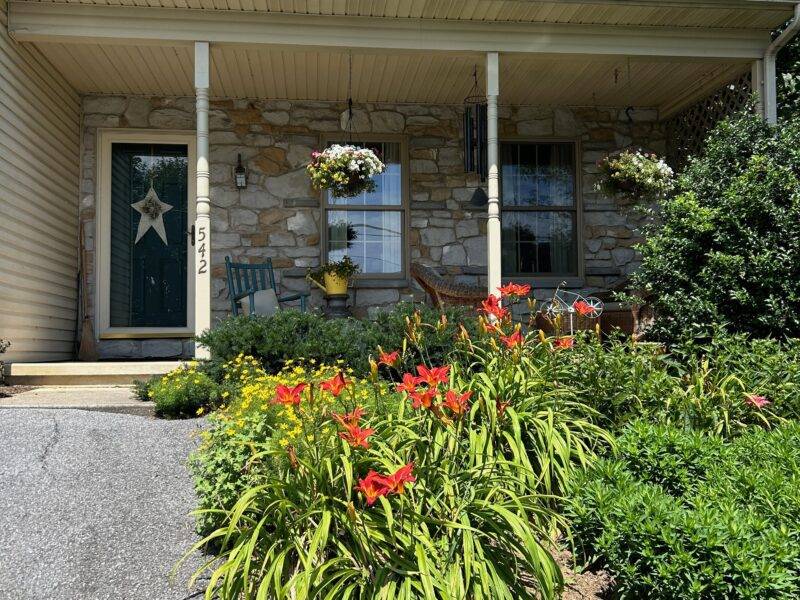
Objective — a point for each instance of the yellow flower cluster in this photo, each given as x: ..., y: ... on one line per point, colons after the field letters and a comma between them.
x: 179, y: 378
x: 252, y: 391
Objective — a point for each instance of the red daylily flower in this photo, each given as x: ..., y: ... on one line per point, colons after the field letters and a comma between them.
x: 409, y: 384
x: 583, y: 308
x: 350, y: 418
x: 757, y: 401
x: 335, y: 384
x: 422, y: 398
x: 513, y: 340
x: 288, y: 395
x: 389, y: 358
x: 355, y: 436
x: 491, y: 306
x: 514, y: 289
x: 501, y: 407
x: 397, y: 480
x: 373, y: 486
x: 457, y: 403
x: 565, y: 342
x: 433, y: 376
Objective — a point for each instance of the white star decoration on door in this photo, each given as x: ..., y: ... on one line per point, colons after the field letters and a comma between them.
x: 152, y: 210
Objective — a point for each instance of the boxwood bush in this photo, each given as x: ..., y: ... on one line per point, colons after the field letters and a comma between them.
x: 292, y: 335
x: 681, y: 514
x: 726, y: 249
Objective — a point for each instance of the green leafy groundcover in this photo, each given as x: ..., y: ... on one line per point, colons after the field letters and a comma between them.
x: 680, y: 514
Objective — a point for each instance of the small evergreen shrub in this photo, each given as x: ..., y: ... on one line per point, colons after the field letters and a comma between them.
x: 292, y: 335
x: 683, y: 515
x: 725, y: 250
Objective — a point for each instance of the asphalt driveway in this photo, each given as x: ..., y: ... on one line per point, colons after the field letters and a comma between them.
x: 94, y: 506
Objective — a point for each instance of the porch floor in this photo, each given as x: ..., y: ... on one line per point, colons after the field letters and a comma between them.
x: 86, y: 373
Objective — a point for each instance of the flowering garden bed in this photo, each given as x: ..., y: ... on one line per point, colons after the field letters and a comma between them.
x: 454, y: 477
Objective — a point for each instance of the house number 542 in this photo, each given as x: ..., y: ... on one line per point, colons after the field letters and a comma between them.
x: 202, y: 263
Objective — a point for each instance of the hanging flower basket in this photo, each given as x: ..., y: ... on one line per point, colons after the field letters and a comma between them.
x: 635, y: 175
x: 344, y: 170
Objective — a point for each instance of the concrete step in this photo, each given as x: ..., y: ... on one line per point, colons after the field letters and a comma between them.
x: 86, y: 373
x: 119, y: 399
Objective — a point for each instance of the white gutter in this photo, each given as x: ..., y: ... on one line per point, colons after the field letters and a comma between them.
x: 770, y: 98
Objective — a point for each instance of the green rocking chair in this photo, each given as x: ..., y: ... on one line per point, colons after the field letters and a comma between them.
x: 244, y: 280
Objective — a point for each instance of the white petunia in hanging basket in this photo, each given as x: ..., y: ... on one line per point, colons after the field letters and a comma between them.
x: 636, y: 175
x: 344, y: 170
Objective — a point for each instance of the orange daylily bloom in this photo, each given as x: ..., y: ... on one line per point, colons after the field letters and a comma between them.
x: 514, y: 289
x: 422, y: 398
x: 397, y: 480
x: 513, y: 340
x: 351, y: 418
x: 491, y: 306
x: 457, y: 403
x: 433, y: 376
x: 564, y: 342
x: 409, y: 384
x: 373, y: 486
x: 389, y: 358
x: 335, y: 384
x: 355, y: 436
x: 583, y: 308
x: 288, y: 395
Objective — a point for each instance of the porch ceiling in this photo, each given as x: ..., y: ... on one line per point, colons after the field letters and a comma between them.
x: 744, y: 14
x: 322, y: 74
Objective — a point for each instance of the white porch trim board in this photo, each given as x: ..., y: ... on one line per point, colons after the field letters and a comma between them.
x: 82, y: 23
x: 493, y: 226
x: 202, y: 233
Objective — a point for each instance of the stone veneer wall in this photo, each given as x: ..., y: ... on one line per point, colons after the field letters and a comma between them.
x: 278, y: 215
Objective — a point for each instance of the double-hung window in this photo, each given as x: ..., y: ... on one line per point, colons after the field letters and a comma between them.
x: 540, y: 209
x: 369, y: 227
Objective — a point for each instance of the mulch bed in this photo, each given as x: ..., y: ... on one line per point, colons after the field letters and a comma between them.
x: 585, y: 584
x: 6, y: 391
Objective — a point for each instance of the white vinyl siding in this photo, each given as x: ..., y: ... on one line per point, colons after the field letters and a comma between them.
x: 39, y: 166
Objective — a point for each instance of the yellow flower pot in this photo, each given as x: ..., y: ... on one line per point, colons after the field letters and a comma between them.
x: 334, y: 284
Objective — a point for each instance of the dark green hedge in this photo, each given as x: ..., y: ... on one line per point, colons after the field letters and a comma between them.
x: 683, y: 515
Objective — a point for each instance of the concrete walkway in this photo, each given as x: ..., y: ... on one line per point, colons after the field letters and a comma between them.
x: 94, y: 505
x: 117, y: 398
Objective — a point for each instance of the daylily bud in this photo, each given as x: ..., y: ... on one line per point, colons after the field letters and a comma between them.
x: 442, y: 324
x: 542, y: 337
x: 597, y: 332
x: 373, y: 370
x: 351, y: 512
x: 463, y: 333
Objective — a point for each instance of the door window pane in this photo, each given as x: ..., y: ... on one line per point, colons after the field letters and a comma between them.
x: 371, y: 238
x: 148, y: 275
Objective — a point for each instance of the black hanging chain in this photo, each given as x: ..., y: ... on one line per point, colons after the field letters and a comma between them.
x: 350, y: 97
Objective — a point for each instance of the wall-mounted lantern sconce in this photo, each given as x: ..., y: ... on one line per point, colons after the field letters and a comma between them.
x: 240, y: 174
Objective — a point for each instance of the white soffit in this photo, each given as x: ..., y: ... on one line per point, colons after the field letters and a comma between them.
x: 322, y: 74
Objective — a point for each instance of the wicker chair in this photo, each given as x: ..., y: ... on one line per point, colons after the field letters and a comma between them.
x: 444, y: 292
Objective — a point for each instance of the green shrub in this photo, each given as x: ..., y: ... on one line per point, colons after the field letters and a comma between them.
x: 183, y: 393
x: 682, y: 515
x: 725, y: 251
x: 292, y: 335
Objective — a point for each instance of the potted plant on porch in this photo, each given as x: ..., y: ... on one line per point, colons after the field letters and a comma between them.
x: 335, y: 276
x: 636, y: 175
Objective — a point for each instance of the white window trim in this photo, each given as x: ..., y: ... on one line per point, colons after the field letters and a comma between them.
x: 403, y: 207
x: 105, y: 137
x: 547, y: 280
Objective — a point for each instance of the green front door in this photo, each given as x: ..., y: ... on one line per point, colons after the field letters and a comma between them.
x: 149, y: 221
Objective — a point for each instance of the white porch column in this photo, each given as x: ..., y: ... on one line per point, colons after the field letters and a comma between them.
x: 202, y: 246
x: 757, y: 82
x: 493, y: 229
x: 770, y: 86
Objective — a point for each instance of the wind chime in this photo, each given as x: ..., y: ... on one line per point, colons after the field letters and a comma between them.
x: 475, y: 127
